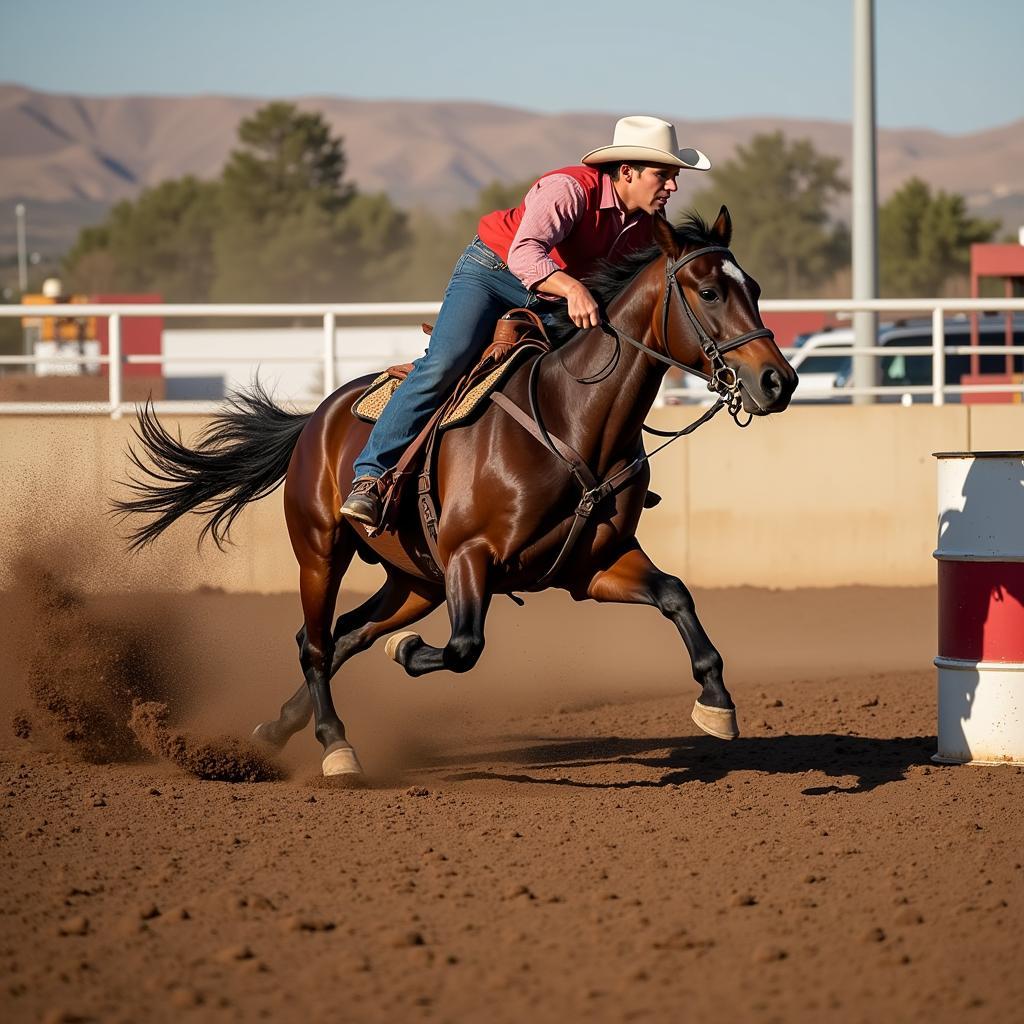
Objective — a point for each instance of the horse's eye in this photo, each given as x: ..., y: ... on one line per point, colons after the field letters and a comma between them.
x: 709, y: 295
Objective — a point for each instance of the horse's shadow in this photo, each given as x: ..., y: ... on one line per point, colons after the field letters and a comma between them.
x: 686, y: 759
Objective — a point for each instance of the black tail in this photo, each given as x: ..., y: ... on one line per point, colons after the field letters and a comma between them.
x: 240, y: 457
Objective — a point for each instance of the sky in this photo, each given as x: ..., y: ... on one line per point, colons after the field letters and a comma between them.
x: 947, y: 65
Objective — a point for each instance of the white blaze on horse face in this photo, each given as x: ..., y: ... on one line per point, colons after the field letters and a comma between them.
x: 731, y: 270
x: 734, y: 272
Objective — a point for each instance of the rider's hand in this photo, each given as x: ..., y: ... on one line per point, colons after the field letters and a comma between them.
x: 583, y: 309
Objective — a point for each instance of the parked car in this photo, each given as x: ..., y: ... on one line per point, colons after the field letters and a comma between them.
x: 819, y: 374
x: 824, y: 377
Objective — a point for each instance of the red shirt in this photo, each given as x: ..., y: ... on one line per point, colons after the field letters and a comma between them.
x: 569, y: 220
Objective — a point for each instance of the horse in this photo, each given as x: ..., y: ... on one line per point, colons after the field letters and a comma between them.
x: 511, y: 518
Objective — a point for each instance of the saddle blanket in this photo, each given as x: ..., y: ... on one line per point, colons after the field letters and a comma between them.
x: 373, y: 401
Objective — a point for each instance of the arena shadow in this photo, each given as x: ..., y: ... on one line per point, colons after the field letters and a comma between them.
x: 872, y: 762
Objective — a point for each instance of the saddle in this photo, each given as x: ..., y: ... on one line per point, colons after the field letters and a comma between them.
x: 517, y: 334
x: 518, y: 328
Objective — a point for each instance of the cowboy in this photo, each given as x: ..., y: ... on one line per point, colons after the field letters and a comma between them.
x: 530, y: 256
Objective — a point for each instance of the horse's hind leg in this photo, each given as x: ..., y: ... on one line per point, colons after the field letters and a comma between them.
x: 294, y: 716
x: 400, y: 602
x: 468, y: 600
x: 395, y: 605
x: 635, y: 579
x: 319, y: 581
x: 295, y: 712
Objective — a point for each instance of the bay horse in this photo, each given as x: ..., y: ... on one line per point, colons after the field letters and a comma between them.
x: 507, y: 502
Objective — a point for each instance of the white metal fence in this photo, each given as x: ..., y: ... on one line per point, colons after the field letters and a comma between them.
x: 330, y: 315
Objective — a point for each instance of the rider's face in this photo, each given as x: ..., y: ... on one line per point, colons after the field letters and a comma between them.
x: 648, y: 190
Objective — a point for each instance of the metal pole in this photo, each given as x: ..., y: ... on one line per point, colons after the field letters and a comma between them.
x: 330, y: 377
x: 19, y: 216
x: 865, y: 193
x: 114, y: 351
x: 938, y: 355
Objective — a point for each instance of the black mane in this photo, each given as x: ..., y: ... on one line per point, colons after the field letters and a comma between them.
x: 608, y: 279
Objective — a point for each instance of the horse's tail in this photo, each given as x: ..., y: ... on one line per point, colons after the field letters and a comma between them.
x: 240, y: 457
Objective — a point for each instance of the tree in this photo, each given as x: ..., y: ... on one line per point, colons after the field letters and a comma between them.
x: 287, y: 159
x: 782, y: 196
x: 162, y: 242
x: 924, y: 239
x: 375, y: 240
x: 292, y: 228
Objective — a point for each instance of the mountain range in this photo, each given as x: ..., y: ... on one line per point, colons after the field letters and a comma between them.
x: 70, y: 157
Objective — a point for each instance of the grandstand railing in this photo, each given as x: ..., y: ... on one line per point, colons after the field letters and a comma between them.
x: 329, y: 316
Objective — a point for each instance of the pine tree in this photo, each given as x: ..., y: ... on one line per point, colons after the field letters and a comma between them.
x: 925, y: 239
x: 782, y: 196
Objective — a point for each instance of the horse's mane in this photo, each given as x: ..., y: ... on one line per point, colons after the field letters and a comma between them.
x: 610, y: 278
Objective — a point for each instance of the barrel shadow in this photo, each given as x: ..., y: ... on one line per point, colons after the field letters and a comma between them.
x: 686, y: 759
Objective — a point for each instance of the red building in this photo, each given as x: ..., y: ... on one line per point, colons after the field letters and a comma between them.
x: 1006, y: 262
x: 140, y: 335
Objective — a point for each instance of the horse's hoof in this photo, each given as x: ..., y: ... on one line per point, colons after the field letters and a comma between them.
x: 263, y: 733
x: 718, y: 722
x: 396, y: 641
x: 340, y: 759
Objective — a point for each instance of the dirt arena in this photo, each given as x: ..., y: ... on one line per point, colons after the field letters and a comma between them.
x: 546, y: 838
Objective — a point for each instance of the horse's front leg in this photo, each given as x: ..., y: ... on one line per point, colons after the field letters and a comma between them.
x: 468, y: 601
x: 634, y: 579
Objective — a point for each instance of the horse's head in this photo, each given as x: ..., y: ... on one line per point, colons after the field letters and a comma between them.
x: 710, y: 320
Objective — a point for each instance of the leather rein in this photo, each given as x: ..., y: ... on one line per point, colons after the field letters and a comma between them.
x: 723, y: 380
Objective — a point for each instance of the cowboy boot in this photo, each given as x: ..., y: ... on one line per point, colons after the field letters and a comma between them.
x: 364, y: 502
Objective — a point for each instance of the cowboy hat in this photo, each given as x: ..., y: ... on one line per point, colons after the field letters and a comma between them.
x: 650, y: 140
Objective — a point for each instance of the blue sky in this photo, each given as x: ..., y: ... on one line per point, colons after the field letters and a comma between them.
x: 952, y: 66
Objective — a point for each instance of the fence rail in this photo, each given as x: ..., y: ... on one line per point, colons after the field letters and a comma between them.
x: 329, y: 316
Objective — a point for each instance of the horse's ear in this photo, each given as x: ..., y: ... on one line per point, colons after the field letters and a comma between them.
x: 722, y: 228
x: 665, y: 237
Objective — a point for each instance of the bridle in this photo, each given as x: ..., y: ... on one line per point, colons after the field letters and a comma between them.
x: 723, y: 380
x: 727, y: 389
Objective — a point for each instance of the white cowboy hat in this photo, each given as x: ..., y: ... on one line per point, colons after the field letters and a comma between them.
x: 650, y: 140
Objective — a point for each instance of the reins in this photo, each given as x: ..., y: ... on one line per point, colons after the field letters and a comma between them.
x: 723, y: 380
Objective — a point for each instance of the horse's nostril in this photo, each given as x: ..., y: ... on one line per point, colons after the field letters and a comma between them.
x: 771, y: 384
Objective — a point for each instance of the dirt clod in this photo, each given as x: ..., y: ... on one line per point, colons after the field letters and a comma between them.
x: 21, y: 724
x: 78, y: 925
x: 233, y: 954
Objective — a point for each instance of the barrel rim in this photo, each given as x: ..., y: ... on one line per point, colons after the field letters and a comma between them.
x: 978, y: 455
x: 950, y: 555
x: 969, y: 665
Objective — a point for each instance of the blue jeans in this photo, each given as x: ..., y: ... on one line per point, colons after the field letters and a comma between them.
x: 482, y: 289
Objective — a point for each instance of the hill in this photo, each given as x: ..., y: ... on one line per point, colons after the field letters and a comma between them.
x: 70, y: 157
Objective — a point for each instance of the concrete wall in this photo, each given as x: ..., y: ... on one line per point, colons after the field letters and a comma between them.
x: 816, y: 497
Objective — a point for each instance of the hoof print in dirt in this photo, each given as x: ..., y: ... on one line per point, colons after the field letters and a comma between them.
x: 223, y: 759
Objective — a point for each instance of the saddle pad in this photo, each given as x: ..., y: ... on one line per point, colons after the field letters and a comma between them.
x: 372, y: 402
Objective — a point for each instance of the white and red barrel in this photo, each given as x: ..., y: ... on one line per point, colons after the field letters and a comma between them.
x: 980, y: 557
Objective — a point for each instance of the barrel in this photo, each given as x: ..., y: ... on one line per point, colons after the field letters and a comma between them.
x: 980, y: 558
